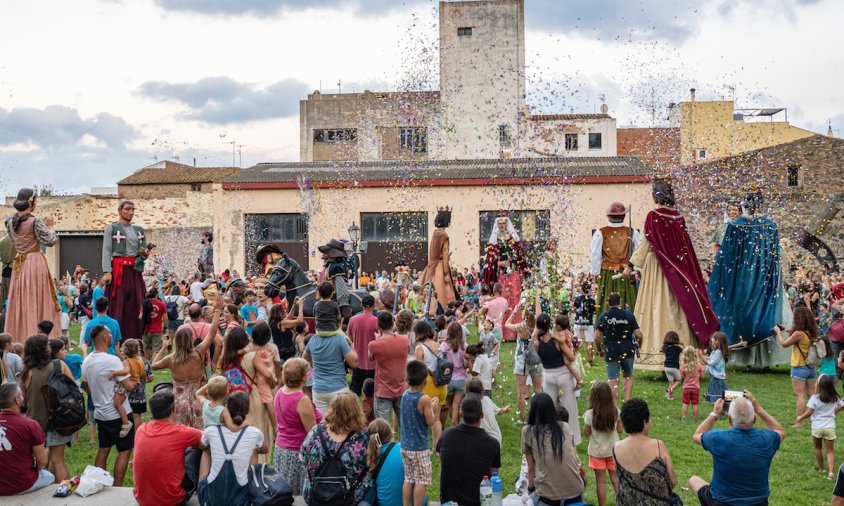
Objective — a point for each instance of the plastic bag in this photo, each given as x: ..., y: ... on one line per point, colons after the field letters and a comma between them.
x: 93, y: 480
x: 517, y: 500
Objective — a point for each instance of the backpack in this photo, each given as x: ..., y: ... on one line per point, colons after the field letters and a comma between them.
x: 236, y: 377
x: 66, y: 411
x: 225, y: 490
x: 330, y: 485
x: 172, y: 309
x: 836, y: 331
x: 267, y: 487
x: 442, y: 371
x: 817, y: 352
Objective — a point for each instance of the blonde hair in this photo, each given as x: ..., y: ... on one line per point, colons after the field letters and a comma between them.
x: 689, y: 359
x: 345, y: 414
x: 380, y: 433
x: 218, y: 388
x: 131, y: 348
x: 182, y: 345
x: 294, y: 373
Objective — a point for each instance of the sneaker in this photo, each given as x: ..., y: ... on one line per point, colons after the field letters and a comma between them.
x: 520, y: 422
x: 683, y: 419
x: 695, y: 420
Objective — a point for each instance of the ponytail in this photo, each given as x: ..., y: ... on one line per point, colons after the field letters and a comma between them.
x: 380, y: 433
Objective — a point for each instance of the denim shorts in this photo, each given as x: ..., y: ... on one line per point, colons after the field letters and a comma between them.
x: 624, y: 366
x: 456, y: 387
x: 803, y: 373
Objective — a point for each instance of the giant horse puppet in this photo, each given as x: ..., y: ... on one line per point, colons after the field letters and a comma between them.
x: 289, y: 274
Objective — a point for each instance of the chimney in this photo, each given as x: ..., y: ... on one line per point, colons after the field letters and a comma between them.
x: 829, y: 132
x: 693, y: 94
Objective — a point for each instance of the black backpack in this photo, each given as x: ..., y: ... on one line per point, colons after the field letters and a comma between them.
x: 330, y: 485
x: 172, y: 310
x: 444, y: 369
x: 66, y: 412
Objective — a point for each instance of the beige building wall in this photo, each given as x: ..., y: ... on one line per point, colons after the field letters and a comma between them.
x: 710, y: 126
x: 575, y: 211
x: 546, y: 137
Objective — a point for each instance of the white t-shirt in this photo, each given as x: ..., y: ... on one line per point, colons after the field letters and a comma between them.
x: 483, y: 367
x: 600, y: 443
x: 196, y: 289
x: 252, y: 439
x: 489, y: 423
x: 180, y: 301
x: 824, y: 415
x: 95, y: 370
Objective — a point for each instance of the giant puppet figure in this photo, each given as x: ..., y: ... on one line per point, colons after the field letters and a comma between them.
x: 334, y: 257
x: 672, y: 294
x: 438, y: 270
x: 266, y: 257
x: 505, y: 263
x: 125, y: 250
x: 32, y: 294
x: 746, y: 286
x: 612, y: 247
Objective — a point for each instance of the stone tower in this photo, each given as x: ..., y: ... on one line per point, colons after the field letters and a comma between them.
x: 482, y: 78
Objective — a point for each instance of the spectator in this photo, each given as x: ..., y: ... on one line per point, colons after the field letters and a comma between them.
x: 733, y: 480
x: 22, y: 443
x: 328, y: 355
x: 38, y: 366
x: 237, y: 447
x: 387, y: 485
x: 467, y: 454
x: 488, y: 421
x: 155, y: 318
x: 389, y: 353
x: 656, y: 477
x: 344, y: 435
x: 161, y: 463
x: 804, y: 333
x: 554, y: 470
x: 838, y: 491
x: 426, y: 352
x: 362, y: 330
x: 14, y: 363
x: 96, y: 370
x: 418, y: 413
x: 249, y: 311
x: 283, y: 326
x: 615, y: 333
x: 454, y: 350
x: 480, y: 367
x: 296, y: 416
x: 180, y: 301
x: 521, y: 369
x: 102, y: 318
x: 557, y: 356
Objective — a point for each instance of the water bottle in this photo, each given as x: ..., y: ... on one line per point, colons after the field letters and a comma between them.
x: 497, y: 489
x: 486, y: 492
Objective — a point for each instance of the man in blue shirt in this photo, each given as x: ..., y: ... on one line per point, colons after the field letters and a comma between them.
x: 741, y: 456
x: 102, y: 318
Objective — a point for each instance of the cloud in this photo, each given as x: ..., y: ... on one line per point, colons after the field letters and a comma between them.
x: 59, y: 126
x: 222, y: 100
x: 260, y: 8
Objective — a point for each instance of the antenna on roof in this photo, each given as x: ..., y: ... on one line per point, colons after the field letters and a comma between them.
x: 240, y: 155
x: 340, y: 86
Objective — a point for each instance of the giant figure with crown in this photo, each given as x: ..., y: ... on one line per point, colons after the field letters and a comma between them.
x: 505, y: 263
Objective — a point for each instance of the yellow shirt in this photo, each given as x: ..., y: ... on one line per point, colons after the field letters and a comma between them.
x: 800, y: 350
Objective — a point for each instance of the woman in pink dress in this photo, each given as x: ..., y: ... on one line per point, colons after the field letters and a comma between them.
x: 32, y: 294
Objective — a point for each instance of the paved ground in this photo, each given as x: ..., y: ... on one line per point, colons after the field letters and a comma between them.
x: 109, y: 496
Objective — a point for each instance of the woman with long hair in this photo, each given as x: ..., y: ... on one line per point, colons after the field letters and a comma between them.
x: 557, y: 357
x: 521, y: 368
x: 454, y: 350
x: 548, y: 445
x: 602, y: 424
x: 386, y: 487
x: 187, y: 365
x: 283, y: 325
x: 426, y: 351
x: 804, y: 333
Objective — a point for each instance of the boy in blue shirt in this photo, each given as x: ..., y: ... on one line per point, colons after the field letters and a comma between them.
x: 249, y: 311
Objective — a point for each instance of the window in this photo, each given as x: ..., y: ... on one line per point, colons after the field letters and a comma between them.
x: 278, y: 228
x: 794, y: 176
x: 595, y: 141
x: 464, y: 31
x: 394, y: 227
x: 701, y: 154
x: 505, y: 136
x: 571, y: 142
x: 196, y: 187
x: 532, y: 226
x: 336, y: 135
x: 414, y: 139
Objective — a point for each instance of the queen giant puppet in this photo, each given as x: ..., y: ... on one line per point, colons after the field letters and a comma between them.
x: 505, y: 263
x: 672, y: 295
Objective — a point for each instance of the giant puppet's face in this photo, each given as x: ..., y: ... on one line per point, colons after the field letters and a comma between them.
x: 127, y: 212
x: 733, y: 212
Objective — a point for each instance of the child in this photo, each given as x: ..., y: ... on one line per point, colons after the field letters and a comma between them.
x: 490, y: 410
x: 368, y: 401
x: 577, y: 365
x: 491, y: 342
x: 14, y: 363
x: 73, y: 361
x: 133, y: 365
x: 671, y: 349
x: 822, y: 407
x: 480, y: 367
x: 386, y: 488
x: 302, y: 338
x: 326, y: 311
x: 268, y: 352
x: 827, y: 365
x: 418, y: 412
x: 691, y: 373
x: 716, y: 366
x: 249, y: 311
x: 212, y: 396
x: 602, y: 424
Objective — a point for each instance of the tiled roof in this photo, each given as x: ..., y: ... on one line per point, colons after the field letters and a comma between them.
x: 419, y: 172
x: 167, y: 172
x: 552, y: 117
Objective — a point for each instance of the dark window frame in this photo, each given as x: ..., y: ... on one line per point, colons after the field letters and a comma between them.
x: 541, y: 224
x: 196, y: 187
x: 276, y: 227
x: 335, y: 135
x: 505, y: 135
x: 571, y: 146
x: 409, y: 226
x: 464, y: 31
x: 794, y: 176
x: 595, y: 146
x: 413, y: 139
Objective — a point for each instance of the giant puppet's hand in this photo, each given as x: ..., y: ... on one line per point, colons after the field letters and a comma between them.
x: 107, y: 278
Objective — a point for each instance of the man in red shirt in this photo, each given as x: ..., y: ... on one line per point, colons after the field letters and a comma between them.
x: 154, y: 331
x: 362, y: 329
x: 389, y: 352
x: 21, y: 444
x: 161, y: 467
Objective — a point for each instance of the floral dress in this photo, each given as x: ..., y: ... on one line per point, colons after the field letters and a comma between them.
x: 649, y: 487
x: 353, y: 457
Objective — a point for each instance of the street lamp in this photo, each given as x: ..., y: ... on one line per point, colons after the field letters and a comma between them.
x: 354, y: 238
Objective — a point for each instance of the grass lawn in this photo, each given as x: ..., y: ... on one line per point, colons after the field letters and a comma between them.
x: 793, y: 478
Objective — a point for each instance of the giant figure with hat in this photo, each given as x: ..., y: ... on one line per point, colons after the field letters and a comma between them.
x: 32, y: 294
x: 125, y: 250
x: 334, y: 257
x: 672, y: 294
x: 505, y: 263
x: 438, y: 269
x: 746, y: 286
x: 266, y: 257
x: 612, y: 247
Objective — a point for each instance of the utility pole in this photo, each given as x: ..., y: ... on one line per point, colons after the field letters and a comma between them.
x: 233, y: 143
x: 240, y: 155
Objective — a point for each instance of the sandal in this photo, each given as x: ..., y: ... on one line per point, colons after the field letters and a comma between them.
x: 125, y: 428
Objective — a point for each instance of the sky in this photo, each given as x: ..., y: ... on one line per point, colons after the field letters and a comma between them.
x: 92, y: 90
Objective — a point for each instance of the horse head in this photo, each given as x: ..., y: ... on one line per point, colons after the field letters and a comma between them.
x: 287, y: 273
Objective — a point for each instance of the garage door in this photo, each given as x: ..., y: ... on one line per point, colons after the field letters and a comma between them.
x: 84, y: 250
